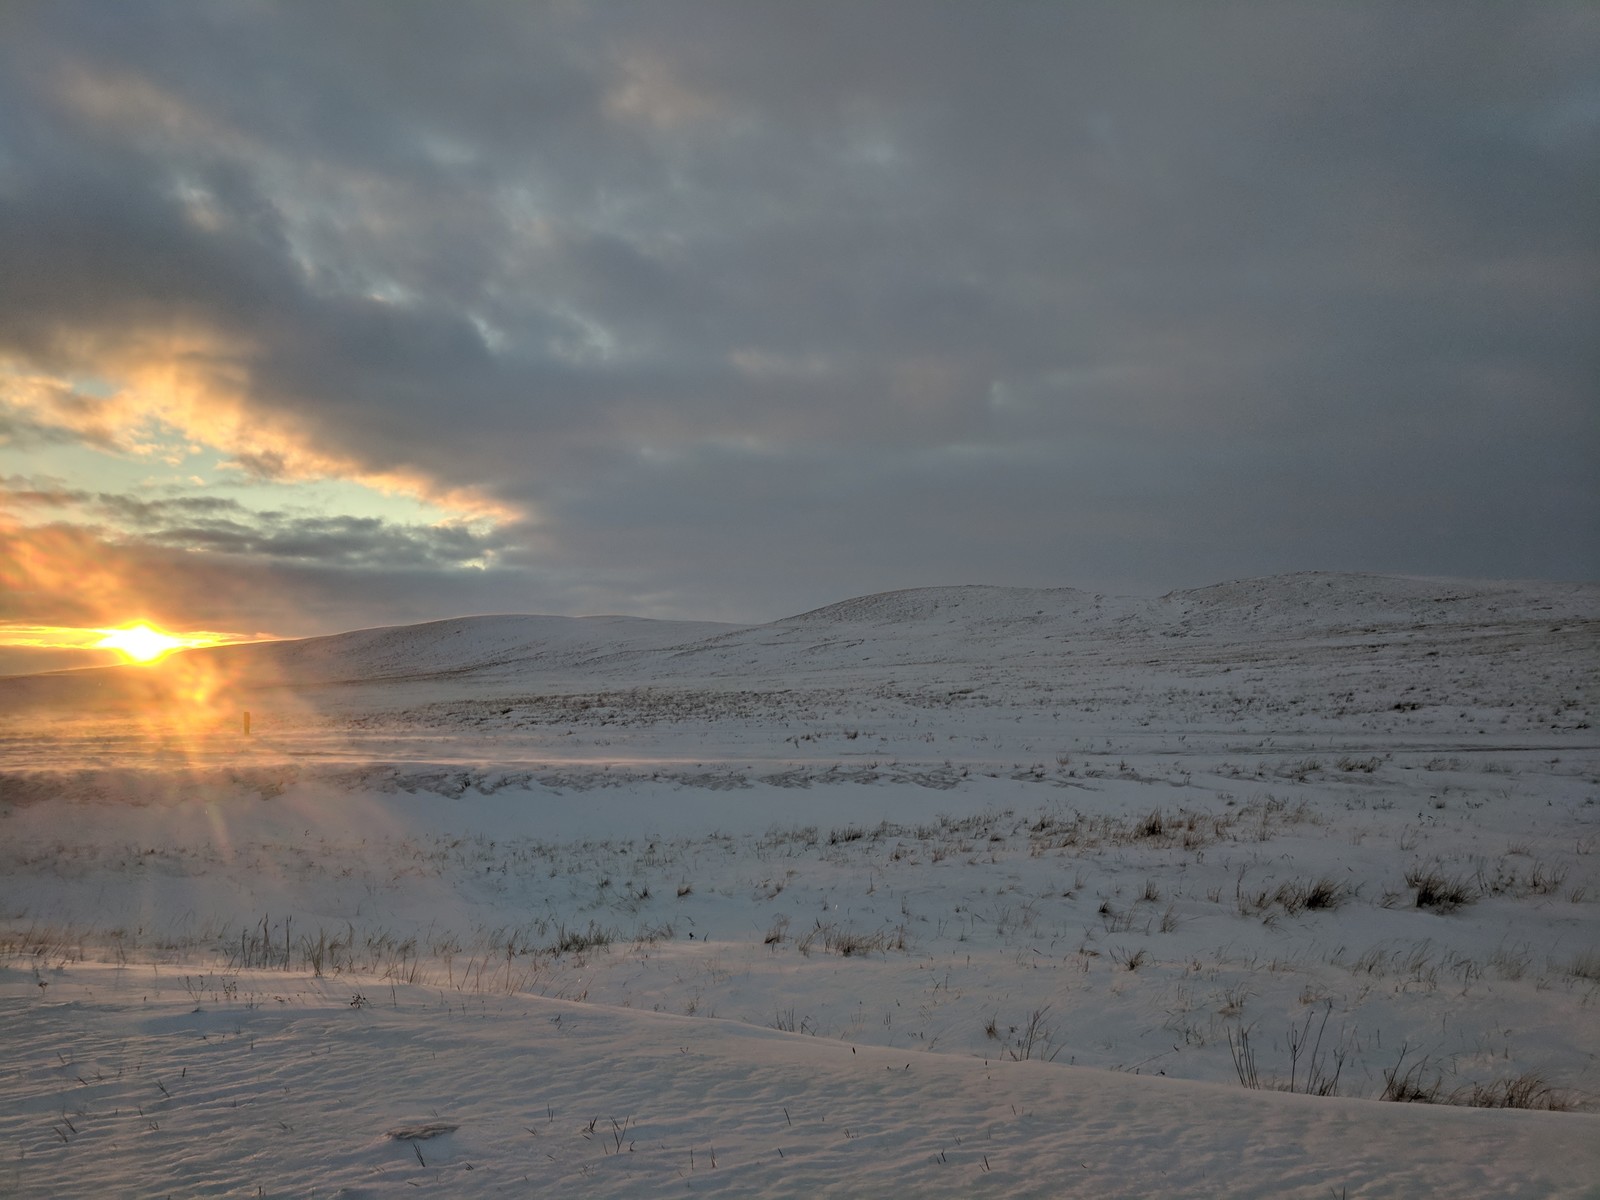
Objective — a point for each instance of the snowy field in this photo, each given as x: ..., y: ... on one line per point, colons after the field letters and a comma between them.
x: 961, y: 891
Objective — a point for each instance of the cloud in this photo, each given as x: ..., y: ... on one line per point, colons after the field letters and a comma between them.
x: 717, y: 309
x: 290, y: 581
x: 75, y: 558
x: 351, y: 541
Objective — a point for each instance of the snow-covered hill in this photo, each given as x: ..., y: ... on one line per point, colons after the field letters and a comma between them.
x: 922, y: 891
x: 1333, y: 603
x: 462, y: 646
x: 1399, y: 657
x: 999, y: 628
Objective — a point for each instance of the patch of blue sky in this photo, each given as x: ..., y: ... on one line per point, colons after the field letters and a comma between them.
x: 180, y: 471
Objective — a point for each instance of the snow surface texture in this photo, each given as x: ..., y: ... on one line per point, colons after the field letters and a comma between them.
x: 946, y: 892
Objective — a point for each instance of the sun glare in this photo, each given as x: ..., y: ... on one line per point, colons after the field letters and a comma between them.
x: 139, y: 643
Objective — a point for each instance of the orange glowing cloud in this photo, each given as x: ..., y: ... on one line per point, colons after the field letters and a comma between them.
x: 64, y: 586
x: 178, y: 392
x: 66, y: 597
x: 179, y: 381
x: 61, y: 575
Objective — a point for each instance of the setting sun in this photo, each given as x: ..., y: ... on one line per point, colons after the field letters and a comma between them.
x: 140, y: 643
x: 27, y: 648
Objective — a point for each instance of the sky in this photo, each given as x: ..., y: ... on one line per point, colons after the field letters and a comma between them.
x: 324, y: 316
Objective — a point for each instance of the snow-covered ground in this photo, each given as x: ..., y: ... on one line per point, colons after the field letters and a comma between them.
x: 953, y: 891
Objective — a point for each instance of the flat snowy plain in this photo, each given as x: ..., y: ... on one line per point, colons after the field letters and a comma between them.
x: 960, y: 891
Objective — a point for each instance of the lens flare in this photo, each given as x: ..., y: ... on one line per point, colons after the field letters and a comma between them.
x: 140, y: 643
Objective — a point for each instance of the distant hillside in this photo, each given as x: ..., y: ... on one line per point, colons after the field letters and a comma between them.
x: 463, y: 645
x: 969, y: 604
x: 943, y: 636
x: 1354, y: 602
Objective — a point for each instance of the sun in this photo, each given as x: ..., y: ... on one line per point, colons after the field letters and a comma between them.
x: 139, y: 643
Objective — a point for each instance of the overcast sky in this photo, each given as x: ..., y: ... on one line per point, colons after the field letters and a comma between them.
x: 317, y: 316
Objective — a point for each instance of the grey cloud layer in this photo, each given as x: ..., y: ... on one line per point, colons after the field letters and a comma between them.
x: 761, y: 305
x: 220, y: 525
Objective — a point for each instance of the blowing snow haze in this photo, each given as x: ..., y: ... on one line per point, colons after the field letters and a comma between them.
x: 323, y: 317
